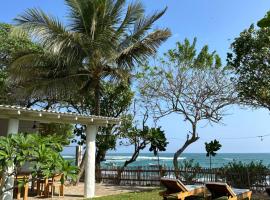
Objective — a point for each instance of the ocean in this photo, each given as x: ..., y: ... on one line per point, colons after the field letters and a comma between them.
x: 148, y: 159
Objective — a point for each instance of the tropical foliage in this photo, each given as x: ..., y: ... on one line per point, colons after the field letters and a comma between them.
x: 103, y: 40
x: 11, y: 45
x: 10, y: 48
x: 63, y: 131
x: 140, y: 138
x: 190, y: 168
x: 42, y: 153
x: 265, y: 22
x: 250, y: 61
x: 211, y: 149
x: 245, y: 175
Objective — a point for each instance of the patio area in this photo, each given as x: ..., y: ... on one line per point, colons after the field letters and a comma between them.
x: 77, y: 192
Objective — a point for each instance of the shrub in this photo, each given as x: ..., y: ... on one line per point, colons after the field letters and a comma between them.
x: 245, y: 175
x: 42, y: 153
x: 189, y: 170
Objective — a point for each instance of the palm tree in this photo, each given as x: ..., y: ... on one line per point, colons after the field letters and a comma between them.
x: 102, y: 41
x: 211, y: 149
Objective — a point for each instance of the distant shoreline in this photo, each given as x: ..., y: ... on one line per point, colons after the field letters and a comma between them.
x: 166, y: 159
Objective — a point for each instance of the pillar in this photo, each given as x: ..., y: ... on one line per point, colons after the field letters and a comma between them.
x: 89, y: 180
x: 13, y: 127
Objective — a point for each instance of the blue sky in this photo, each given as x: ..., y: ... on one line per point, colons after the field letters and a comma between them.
x: 213, y: 22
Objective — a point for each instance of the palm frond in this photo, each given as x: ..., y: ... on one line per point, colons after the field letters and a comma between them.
x: 142, y: 49
x: 134, y: 11
x: 144, y: 24
x: 51, y: 33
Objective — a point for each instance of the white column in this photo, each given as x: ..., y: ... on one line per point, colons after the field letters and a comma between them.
x: 89, y: 180
x: 13, y: 128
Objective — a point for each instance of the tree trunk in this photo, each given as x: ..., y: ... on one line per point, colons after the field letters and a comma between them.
x: 131, y: 160
x: 211, y: 167
x: 158, y: 160
x: 210, y: 162
x: 100, y: 156
x: 97, y: 100
x: 180, y: 151
x: 82, y: 168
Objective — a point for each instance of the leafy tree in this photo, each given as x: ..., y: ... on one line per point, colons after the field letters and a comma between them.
x: 265, y: 22
x: 193, y: 85
x: 43, y: 153
x: 10, y: 47
x: 63, y: 131
x: 158, y: 142
x: 211, y: 149
x: 140, y: 138
x: 250, y: 61
x: 3, y: 77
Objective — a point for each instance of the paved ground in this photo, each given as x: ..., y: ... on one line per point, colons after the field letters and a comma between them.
x: 76, y: 192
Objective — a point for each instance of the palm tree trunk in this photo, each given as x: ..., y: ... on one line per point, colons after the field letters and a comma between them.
x: 97, y: 100
x: 210, y: 162
x: 158, y: 160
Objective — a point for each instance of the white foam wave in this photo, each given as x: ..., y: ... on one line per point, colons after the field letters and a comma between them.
x: 123, y: 158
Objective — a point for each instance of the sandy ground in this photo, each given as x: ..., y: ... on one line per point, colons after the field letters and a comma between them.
x: 76, y: 192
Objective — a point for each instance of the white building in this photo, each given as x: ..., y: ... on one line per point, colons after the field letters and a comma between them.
x: 14, y: 119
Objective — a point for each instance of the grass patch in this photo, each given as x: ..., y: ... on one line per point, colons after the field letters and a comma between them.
x: 150, y: 195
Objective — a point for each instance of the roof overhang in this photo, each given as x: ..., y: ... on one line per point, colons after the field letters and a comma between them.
x: 51, y: 116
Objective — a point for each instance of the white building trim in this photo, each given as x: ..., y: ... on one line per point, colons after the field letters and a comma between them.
x: 17, y: 113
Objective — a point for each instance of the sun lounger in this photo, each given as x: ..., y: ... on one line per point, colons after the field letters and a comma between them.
x: 222, y: 189
x: 176, y: 188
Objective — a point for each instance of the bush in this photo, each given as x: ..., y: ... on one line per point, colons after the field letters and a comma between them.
x: 42, y: 153
x: 189, y: 170
x: 245, y: 175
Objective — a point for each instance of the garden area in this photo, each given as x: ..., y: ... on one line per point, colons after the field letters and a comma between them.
x: 131, y: 96
x: 153, y: 195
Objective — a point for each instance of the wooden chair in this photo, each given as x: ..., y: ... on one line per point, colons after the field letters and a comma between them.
x: 176, y: 188
x: 223, y: 189
x: 42, y: 189
x: 18, y: 190
x: 55, y: 182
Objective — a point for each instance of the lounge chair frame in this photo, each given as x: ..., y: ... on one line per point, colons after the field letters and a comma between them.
x: 228, y: 191
x: 179, y: 190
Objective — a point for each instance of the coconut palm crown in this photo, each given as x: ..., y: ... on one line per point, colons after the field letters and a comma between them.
x: 103, y: 40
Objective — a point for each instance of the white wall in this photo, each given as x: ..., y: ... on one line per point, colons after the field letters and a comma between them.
x: 24, y: 126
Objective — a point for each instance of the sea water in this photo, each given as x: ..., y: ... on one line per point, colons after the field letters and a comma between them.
x: 148, y: 159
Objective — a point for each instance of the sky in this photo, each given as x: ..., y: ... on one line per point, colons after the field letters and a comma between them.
x: 213, y: 22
